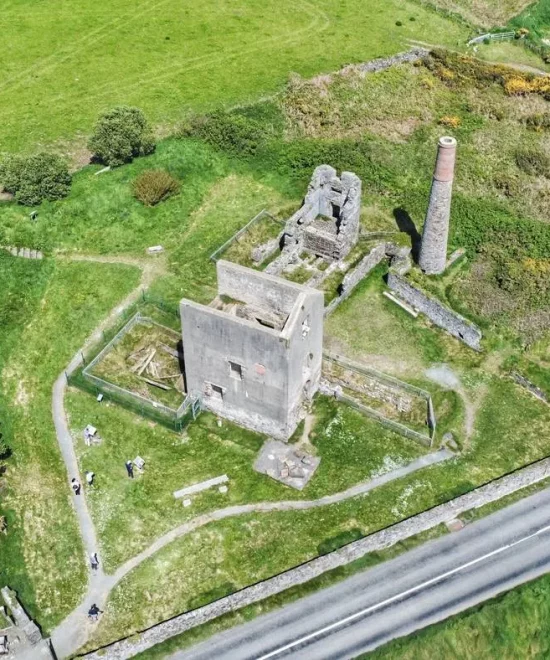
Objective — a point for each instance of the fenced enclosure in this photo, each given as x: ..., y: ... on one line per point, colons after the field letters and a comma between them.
x: 355, y: 395
x: 175, y: 417
x: 260, y: 229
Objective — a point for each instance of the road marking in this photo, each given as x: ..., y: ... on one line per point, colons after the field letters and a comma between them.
x: 403, y: 594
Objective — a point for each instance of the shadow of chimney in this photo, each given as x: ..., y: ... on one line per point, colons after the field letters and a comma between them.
x: 406, y: 224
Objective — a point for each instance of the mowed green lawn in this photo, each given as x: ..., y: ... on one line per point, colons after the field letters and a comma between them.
x: 61, y: 63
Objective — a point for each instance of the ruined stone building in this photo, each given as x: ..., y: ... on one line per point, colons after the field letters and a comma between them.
x: 433, y: 251
x: 255, y: 357
x: 326, y: 225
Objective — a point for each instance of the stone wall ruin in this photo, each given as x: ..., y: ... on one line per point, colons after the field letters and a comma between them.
x: 442, y: 316
x: 327, y: 223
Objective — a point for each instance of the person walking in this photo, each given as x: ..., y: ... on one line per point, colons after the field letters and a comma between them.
x: 90, y: 479
x: 94, y: 561
x: 130, y: 469
x: 94, y: 612
x: 75, y: 486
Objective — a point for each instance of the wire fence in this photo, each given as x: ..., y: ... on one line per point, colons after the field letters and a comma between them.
x: 144, y: 407
x: 395, y: 383
x: 175, y: 419
x: 217, y: 254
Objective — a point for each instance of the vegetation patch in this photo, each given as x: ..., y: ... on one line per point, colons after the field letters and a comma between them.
x: 154, y: 186
x: 33, y: 179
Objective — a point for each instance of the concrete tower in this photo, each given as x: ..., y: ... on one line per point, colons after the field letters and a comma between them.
x: 433, y: 251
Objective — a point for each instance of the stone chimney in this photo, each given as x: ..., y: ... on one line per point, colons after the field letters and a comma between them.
x: 433, y: 251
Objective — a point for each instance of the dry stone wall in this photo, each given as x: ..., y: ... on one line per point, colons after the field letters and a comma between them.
x: 352, y: 279
x: 529, y: 386
x: 438, y: 314
x: 383, y: 63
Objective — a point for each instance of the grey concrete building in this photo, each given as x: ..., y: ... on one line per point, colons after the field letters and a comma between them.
x: 433, y: 251
x: 254, y: 358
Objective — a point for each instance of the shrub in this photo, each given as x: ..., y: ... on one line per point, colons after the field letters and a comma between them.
x: 33, y: 179
x: 154, y: 186
x: 231, y: 132
x: 120, y: 135
x: 464, y: 69
x: 427, y: 83
x: 533, y: 161
x: 399, y: 23
x: 516, y: 86
x: 538, y: 122
x: 5, y: 451
x: 450, y: 121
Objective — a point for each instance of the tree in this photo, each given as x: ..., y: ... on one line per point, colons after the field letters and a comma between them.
x: 32, y: 179
x: 120, y: 135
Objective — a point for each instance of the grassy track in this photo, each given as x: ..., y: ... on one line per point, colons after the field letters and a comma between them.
x: 62, y: 63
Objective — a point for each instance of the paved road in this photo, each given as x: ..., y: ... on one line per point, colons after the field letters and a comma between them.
x: 420, y: 587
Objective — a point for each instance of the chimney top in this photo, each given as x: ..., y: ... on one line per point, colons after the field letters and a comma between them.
x: 447, y: 141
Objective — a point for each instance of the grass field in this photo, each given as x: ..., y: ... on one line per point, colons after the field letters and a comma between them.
x: 66, y: 64
x: 43, y: 557
x: 240, y: 551
x: 353, y: 448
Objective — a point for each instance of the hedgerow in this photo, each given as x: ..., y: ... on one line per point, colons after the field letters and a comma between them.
x: 233, y: 133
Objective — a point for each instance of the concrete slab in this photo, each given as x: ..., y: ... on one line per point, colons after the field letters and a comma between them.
x: 286, y: 463
x: 203, y: 485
